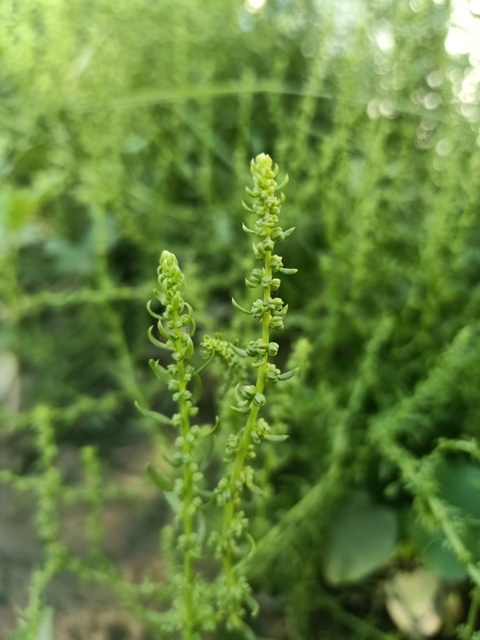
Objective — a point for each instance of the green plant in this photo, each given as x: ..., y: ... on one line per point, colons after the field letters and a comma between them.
x: 196, y: 606
x: 127, y: 121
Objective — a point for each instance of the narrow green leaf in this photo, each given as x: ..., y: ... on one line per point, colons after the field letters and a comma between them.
x: 244, y: 226
x: 288, y: 374
x: 201, y: 528
x: 156, y: 342
x: 188, y: 348
x: 158, y: 294
x: 252, y: 544
x: 204, y: 365
x: 158, y: 479
x: 276, y: 438
x: 208, y: 430
x: 173, y: 463
x: 240, y: 308
x: 153, y: 415
x: 197, y: 388
x: 191, y: 321
x: 161, y: 329
x: 253, y: 606
x: 207, y: 454
x: 151, y: 312
x: 160, y: 372
x: 256, y: 490
x: 239, y: 409
x: 238, y: 351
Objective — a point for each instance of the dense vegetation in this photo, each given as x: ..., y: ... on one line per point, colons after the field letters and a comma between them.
x: 127, y: 129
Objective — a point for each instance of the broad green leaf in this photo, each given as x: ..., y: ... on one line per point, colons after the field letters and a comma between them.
x: 459, y: 488
x: 361, y: 538
x: 459, y: 485
x: 438, y: 558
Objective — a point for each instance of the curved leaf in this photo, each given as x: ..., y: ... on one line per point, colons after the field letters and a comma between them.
x: 161, y: 481
x: 153, y: 415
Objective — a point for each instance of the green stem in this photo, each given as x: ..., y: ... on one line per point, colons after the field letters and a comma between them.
x: 473, y: 613
x: 242, y: 451
x: 184, y: 410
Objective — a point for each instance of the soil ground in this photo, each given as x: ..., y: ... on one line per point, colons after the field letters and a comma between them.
x: 83, y: 611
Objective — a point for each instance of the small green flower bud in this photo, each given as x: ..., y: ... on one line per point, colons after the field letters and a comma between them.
x: 262, y: 428
x: 268, y: 244
x: 246, y: 477
x: 176, y: 420
x: 259, y: 400
x: 256, y: 348
x: 275, y: 304
x: 277, y: 234
x: 268, y: 281
x: 275, y: 284
x: 182, y: 396
x: 173, y: 385
x: 276, y: 263
x: 276, y: 323
x: 272, y: 349
x: 259, y: 251
x: 248, y: 391
x: 232, y: 443
x: 258, y: 309
x: 273, y: 373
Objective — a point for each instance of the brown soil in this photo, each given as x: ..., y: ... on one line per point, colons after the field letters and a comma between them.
x: 83, y: 611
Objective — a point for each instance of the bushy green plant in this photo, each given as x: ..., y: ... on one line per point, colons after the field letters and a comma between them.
x: 126, y: 127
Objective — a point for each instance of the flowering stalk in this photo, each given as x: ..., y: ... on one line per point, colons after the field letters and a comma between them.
x: 270, y: 312
x: 197, y: 606
x: 176, y: 326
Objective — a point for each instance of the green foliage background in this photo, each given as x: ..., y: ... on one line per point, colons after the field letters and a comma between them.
x: 128, y: 127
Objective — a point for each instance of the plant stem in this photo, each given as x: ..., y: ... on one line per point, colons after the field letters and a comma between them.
x: 472, y: 613
x: 188, y: 619
x: 242, y: 451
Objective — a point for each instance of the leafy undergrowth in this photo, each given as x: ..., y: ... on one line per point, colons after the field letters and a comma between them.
x: 127, y: 129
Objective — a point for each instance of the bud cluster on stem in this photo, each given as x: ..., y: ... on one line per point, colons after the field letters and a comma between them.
x: 199, y: 606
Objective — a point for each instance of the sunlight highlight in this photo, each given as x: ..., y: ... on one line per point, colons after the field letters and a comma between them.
x: 253, y: 6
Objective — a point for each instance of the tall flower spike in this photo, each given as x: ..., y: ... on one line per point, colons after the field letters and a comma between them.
x: 176, y: 328
x: 270, y: 312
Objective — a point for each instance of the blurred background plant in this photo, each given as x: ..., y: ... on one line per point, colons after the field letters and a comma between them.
x: 127, y: 128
